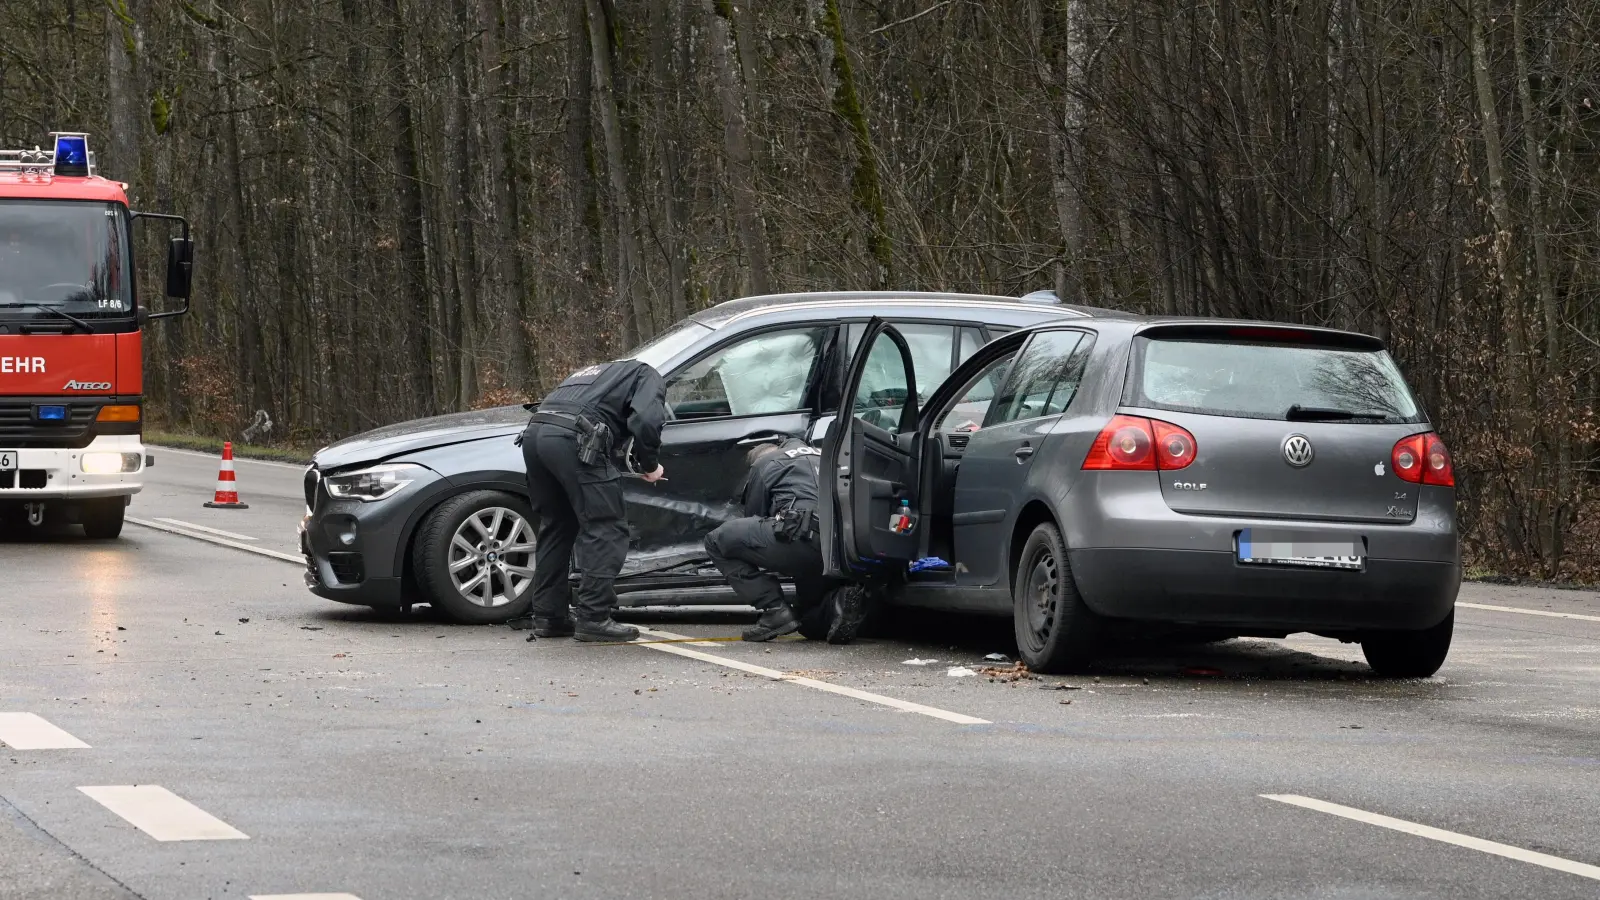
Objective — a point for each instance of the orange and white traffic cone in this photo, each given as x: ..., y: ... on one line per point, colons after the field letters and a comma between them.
x: 227, y: 496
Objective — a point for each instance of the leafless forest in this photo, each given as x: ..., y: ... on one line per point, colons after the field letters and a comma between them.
x: 412, y: 206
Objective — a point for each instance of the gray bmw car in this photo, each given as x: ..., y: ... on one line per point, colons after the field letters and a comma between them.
x: 1234, y: 478
x: 435, y: 510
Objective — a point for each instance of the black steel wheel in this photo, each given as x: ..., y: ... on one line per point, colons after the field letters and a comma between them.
x: 1055, y: 629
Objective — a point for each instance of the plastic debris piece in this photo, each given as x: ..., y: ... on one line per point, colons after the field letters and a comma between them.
x: 919, y: 662
x: 997, y: 657
x: 959, y: 672
x: 928, y: 562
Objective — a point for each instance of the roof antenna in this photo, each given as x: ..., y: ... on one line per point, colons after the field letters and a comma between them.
x: 1047, y: 298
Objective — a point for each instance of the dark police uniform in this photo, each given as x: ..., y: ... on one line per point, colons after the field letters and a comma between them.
x: 579, y: 503
x: 777, y: 535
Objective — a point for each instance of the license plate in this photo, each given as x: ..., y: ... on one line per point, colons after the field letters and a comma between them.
x: 8, y: 460
x: 1287, y: 548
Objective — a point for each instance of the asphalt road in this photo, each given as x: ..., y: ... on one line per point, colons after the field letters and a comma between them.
x: 327, y: 749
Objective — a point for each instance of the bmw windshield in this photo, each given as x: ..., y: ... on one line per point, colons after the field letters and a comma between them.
x: 64, y: 255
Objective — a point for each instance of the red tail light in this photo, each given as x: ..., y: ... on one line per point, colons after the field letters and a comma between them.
x: 1423, y: 459
x: 1131, y: 443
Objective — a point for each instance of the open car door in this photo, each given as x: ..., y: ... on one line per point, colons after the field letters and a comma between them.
x: 868, y: 508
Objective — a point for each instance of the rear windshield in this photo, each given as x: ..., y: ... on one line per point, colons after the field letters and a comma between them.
x: 1273, y: 381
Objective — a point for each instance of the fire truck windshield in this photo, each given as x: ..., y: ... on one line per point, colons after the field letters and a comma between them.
x: 67, y: 255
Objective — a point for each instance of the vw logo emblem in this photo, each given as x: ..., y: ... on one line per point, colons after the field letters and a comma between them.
x: 1297, y: 451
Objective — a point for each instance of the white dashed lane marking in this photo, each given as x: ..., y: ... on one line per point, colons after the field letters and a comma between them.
x: 162, y: 814
x: 775, y: 675
x: 1439, y: 834
x: 26, y: 731
x: 1528, y: 612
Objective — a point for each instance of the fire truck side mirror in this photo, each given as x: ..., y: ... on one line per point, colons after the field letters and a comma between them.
x: 180, y: 267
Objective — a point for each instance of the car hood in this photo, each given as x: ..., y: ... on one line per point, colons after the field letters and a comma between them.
x: 421, y: 434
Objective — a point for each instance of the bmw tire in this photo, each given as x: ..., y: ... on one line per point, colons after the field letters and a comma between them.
x: 1055, y: 629
x: 473, y: 557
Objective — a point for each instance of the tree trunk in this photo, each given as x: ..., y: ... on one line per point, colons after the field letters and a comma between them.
x: 124, y: 96
x: 664, y: 42
x: 462, y: 126
x: 866, y: 188
x: 581, y: 165
x: 510, y: 279
x: 630, y: 288
x: 736, y: 143
x: 1062, y: 74
x: 417, y: 309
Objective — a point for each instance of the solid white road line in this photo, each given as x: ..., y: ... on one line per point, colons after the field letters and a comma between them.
x: 1528, y: 612
x: 304, y: 897
x: 162, y: 814
x: 221, y: 541
x: 1438, y: 834
x: 216, y: 531
x: 214, y: 457
x: 26, y: 731
x: 775, y: 675
x: 669, y: 636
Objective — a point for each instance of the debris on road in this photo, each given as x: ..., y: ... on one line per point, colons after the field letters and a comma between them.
x: 1199, y: 670
x: 997, y: 657
x: 1013, y: 673
x: 244, y: 621
x: 919, y: 662
x: 310, y: 627
x: 959, y: 672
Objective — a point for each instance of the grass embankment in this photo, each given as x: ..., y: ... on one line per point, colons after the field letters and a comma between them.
x: 298, y: 455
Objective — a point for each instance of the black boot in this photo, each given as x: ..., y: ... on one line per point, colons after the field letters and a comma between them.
x: 553, y: 628
x: 607, y: 629
x: 520, y: 623
x: 779, y: 620
x: 847, y: 606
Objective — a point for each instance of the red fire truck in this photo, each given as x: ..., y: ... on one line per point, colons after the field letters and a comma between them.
x: 71, y: 370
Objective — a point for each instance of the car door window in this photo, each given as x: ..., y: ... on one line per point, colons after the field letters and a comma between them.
x: 971, y: 342
x: 968, y: 413
x: 1044, y: 379
x: 765, y: 373
x: 931, y: 350
x: 882, y: 393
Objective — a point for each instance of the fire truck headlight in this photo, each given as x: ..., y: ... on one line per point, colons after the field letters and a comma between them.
x: 372, y: 484
x: 110, y: 463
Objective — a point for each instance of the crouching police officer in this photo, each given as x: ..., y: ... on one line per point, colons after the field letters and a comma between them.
x: 778, y: 535
x: 576, y: 491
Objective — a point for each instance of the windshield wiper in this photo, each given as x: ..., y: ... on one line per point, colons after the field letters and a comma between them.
x: 51, y: 309
x: 1298, y: 413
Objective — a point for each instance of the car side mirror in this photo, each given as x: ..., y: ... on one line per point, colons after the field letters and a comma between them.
x: 180, y: 267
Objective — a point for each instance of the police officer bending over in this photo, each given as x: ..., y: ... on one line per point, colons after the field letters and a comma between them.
x: 576, y: 491
x: 779, y: 535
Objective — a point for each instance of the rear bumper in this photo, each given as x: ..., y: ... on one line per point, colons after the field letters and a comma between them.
x: 1211, y: 588
x: 46, y: 474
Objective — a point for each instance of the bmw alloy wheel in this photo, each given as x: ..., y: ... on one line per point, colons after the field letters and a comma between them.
x: 491, y: 557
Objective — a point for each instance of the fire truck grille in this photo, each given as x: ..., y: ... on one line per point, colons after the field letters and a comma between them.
x: 18, y: 429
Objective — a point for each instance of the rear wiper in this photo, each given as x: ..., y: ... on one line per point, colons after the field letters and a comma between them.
x: 51, y: 309
x: 1298, y: 413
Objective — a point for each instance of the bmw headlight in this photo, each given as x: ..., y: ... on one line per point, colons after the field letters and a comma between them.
x: 371, y: 484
